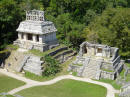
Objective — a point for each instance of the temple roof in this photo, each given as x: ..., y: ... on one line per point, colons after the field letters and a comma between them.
x: 36, y: 27
x: 36, y: 24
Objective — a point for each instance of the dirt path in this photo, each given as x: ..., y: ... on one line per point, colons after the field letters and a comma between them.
x: 31, y: 83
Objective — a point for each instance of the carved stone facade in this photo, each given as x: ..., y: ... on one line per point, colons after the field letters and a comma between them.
x: 98, y: 61
x: 35, y: 32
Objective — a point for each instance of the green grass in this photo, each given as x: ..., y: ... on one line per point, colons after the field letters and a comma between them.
x: 8, y: 83
x: 36, y: 77
x: 66, y: 88
x: 122, y: 74
x: 74, y: 73
x: 128, y: 78
x: 44, y: 78
x: 12, y: 47
x: 116, y: 95
x: 112, y: 82
x: 78, y: 64
x: 107, y: 70
x: 6, y: 96
x: 39, y: 53
x: 128, y: 64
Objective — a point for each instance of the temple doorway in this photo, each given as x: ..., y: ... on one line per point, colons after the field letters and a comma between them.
x: 99, y: 52
x: 29, y: 36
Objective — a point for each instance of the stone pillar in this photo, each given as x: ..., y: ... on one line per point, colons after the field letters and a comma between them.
x: 54, y: 36
x: 25, y: 36
x: 43, y: 38
x: 34, y: 38
x: 40, y: 39
x: 19, y: 36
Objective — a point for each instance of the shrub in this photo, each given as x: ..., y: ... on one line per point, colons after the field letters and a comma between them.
x: 52, y: 66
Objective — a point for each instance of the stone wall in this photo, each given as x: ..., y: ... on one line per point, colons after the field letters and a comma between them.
x: 75, y: 68
x: 111, y: 65
x: 58, y: 50
x: 107, y: 75
x: 31, y: 45
x: 34, y: 65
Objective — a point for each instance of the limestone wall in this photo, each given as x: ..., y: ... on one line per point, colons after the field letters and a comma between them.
x: 34, y: 65
x: 75, y: 68
x: 108, y: 75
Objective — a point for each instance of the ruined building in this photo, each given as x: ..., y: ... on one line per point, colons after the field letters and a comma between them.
x: 35, y: 32
x: 97, y: 61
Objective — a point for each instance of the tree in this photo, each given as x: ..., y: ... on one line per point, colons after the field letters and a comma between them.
x: 113, y: 28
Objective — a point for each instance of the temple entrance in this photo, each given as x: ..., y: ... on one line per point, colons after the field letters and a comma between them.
x: 37, y: 38
x: 84, y: 51
x: 29, y: 36
x: 99, y: 52
x: 22, y: 37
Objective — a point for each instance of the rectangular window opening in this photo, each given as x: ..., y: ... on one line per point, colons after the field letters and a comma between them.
x: 29, y: 36
x: 22, y: 35
x: 37, y: 38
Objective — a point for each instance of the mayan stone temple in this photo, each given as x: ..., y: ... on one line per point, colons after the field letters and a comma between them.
x: 35, y: 32
x: 97, y: 61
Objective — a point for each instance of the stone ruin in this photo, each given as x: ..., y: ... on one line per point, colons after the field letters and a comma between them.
x: 97, y: 61
x: 36, y: 33
x: 125, y: 90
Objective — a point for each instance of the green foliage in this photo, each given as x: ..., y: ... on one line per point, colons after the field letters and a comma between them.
x: 11, y: 13
x: 112, y: 28
x: 52, y: 66
x: 108, y: 21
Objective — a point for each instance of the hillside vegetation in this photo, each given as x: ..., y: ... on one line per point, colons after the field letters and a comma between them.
x: 97, y: 21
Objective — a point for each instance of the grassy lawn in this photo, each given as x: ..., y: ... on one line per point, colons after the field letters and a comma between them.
x: 66, y: 88
x: 112, y: 82
x: 8, y: 83
x: 44, y: 78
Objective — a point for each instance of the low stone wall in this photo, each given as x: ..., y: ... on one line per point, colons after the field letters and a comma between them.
x: 31, y: 45
x: 63, y: 57
x: 108, y: 75
x: 62, y: 54
x: 106, y: 65
x: 58, y: 50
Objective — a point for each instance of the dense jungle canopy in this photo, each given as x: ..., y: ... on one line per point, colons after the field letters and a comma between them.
x: 97, y: 21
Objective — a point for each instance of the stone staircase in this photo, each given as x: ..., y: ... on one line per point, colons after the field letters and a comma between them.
x: 85, y: 62
x: 34, y: 65
x: 62, y: 54
x: 90, y: 70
